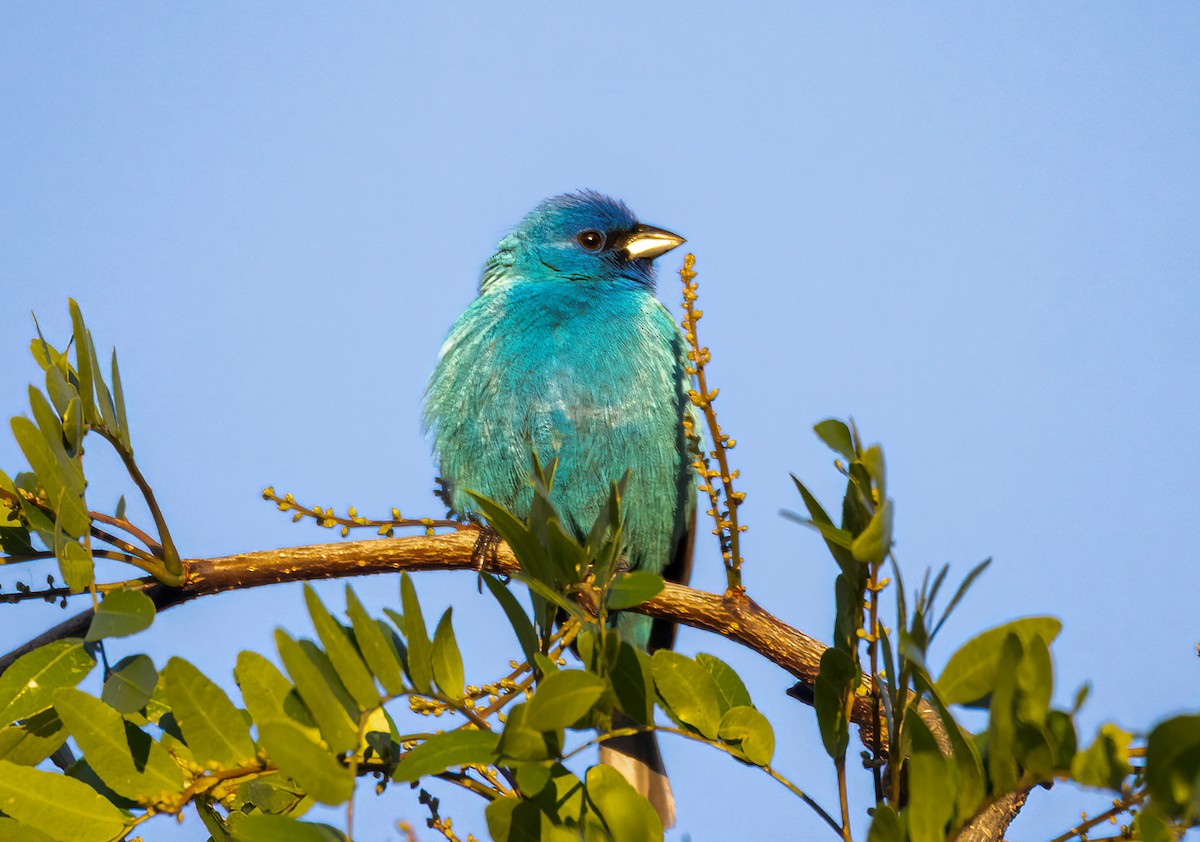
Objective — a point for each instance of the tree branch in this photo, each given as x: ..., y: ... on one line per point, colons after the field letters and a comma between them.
x: 733, y: 615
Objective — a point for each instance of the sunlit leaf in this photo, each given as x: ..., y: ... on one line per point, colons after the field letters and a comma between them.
x: 342, y: 653
x: 971, y: 671
x: 28, y: 685
x: 121, y: 613
x: 753, y: 733
x: 376, y: 647
x: 563, y: 698
x: 331, y: 716
x: 687, y: 690
x: 130, y: 683
x: 420, y: 664
x: 32, y: 741
x: 445, y: 751
x: 447, y: 660
x: 312, y: 766
x: 57, y: 805
x: 630, y: 589
x: 836, y: 435
x: 214, y: 729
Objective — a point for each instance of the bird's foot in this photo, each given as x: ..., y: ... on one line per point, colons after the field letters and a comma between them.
x: 485, y: 551
x: 442, y: 492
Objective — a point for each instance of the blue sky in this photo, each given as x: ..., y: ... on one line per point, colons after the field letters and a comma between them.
x: 974, y: 228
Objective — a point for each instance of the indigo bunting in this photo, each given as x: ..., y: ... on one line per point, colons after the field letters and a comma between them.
x: 566, y: 352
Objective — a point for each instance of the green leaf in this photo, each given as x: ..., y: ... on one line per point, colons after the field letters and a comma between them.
x: 627, y: 815
x: 52, y: 433
x: 563, y: 698
x: 630, y: 589
x: 73, y: 425
x: 130, y: 684
x: 834, y: 681
x: 447, y: 660
x: 1002, y: 727
x: 264, y: 688
x: 931, y: 787
x: 28, y: 685
x: 517, y: 618
x: 876, y: 467
x: 320, y: 697
x: 874, y: 543
x: 836, y: 435
x: 12, y: 831
x: 57, y: 805
x: 1035, y: 682
x: 103, y: 398
x: 963, y: 587
x: 445, y: 751
x: 312, y: 766
x: 50, y: 475
x: 971, y: 672
x: 1173, y: 763
x: 731, y: 692
x: 971, y: 783
x: 533, y: 777
x: 687, y: 690
x: 122, y: 613
x: 214, y: 729
x: 119, y: 404
x: 124, y: 757
x: 342, y: 653
x: 632, y: 682
x: 74, y: 561
x: 1106, y: 763
x: 376, y: 647
x: 420, y: 664
x: 60, y: 391
x: 747, y: 726
x: 33, y: 740
x: 885, y: 826
x: 525, y: 740
x: 83, y: 362
x: 262, y: 827
x: 1150, y: 825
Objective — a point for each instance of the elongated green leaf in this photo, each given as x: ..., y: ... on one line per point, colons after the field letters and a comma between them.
x: 963, y: 587
x: 836, y: 435
x: 312, y: 766
x: 376, y: 647
x: 52, y: 433
x: 630, y: 589
x: 342, y: 653
x: 971, y: 783
x: 125, y: 758
x: 971, y: 671
x: 751, y: 730
x: 33, y: 740
x: 74, y: 561
x: 322, y: 700
x: 262, y: 827
x: 83, y: 362
x: 61, y: 807
x: 51, y: 476
x: 420, y: 665
x: 1002, y: 726
x: 632, y: 682
x: 931, y: 785
x: 103, y: 398
x: 60, y: 391
x: 445, y: 751
x: 119, y: 404
x: 73, y: 424
x: 214, y: 729
x: 130, y: 684
x: 517, y: 535
x: 563, y: 698
x: 731, y: 692
x: 447, y: 660
x: 875, y: 542
x: 121, y: 614
x: 13, y: 831
x: 29, y: 684
x: 834, y: 681
x: 687, y: 690
x: 627, y: 815
x: 264, y: 688
x: 517, y: 618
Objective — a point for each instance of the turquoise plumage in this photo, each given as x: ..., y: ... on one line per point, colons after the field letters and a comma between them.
x: 567, y: 352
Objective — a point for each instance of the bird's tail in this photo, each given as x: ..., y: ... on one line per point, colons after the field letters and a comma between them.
x: 638, y: 759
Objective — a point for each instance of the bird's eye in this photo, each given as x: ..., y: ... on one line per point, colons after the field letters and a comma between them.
x: 590, y: 239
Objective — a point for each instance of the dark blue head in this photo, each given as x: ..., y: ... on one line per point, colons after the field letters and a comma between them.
x: 580, y: 237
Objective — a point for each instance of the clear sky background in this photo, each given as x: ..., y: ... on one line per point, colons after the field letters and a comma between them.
x: 972, y: 227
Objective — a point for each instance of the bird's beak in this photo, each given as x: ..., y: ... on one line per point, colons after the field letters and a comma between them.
x: 648, y: 243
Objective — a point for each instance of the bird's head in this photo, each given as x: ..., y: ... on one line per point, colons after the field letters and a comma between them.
x: 581, y: 237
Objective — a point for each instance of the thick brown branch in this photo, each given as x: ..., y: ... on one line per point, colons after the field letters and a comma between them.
x: 733, y: 615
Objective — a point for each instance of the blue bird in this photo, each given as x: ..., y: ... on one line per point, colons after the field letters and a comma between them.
x: 566, y: 352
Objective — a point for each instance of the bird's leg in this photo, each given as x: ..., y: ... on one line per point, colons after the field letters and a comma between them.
x: 486, y: 548
x: 442, y: 492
